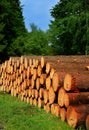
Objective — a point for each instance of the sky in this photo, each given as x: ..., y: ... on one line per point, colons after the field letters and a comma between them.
x: 37, y: 12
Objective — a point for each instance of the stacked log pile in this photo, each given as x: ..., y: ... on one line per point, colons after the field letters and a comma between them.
x: 36, y: 81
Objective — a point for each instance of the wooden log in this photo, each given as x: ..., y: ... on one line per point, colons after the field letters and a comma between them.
x: 76, y: 98
x: 31, y: 101
x: 40, y: 103
x: 42, y: 79
x: 38, y: 83
x: 48, y: 107
x: 48, y: 67
x: 36, y: 94
x: 76, y: 115
x: 63, y: 114
x: 48, y: 83
x: 87, y: 122
x: 35, y: 74
x: 52, y: 95
x: 53, y: 109
x: 41, y: 93
x: 76, y: 82
x: 30, y: 92
x: 28, y: 72
x: 35, y: 102
x: 39, y: 70
x: 42, y: 62
x: 61, y: 93
x: 57, y: 110
x: 46, y: 96
x: 52, y: 71
x: 26, y: 62
x: 57, y: 80
x: 33, y: 82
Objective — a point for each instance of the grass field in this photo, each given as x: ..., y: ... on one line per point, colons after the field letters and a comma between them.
x: 18, y: 115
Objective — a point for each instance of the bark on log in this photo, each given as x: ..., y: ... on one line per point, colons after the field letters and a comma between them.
x: 76, y: 115
x: 76, y: 98
x: 87, y: 122
x: 76, y: 82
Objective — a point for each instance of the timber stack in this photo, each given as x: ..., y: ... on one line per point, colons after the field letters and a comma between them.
x: 36, y: 81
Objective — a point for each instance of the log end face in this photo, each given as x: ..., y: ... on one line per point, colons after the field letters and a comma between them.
x: 67, y: 82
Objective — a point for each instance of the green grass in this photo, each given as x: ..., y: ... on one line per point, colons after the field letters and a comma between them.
x: 18, y: 115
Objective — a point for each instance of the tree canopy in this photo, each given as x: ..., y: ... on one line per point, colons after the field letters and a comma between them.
x: 70, y: 27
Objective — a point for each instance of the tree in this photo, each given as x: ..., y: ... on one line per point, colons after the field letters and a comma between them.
x: 11, y: 25
x: 69, y: 29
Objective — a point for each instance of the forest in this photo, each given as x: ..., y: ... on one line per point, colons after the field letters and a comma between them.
x: 68, y: 32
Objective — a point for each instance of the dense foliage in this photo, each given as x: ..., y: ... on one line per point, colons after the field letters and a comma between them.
x: 69, y: 31
x: 11, y: 26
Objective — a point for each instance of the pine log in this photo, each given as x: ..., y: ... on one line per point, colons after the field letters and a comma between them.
x: 31, y: 100
x: 61, y: 94
x: 52, y: 71
x: 38, y: 83
x: 48, y: 67
x: 40, y: 103
x: 33, y: 82
x: 47, y: 107
x: 26, y: 62
x: 87, y: 122
x: 76, y: 98
x: 48, y: 83
x: 57, y: 80
x: 57, y: 110
x: 41, y: 93
x: 35, y: 102
x: 76, y: 82
x: 63, y: 114
x: 30, y: 92
x: 39, y: 70
x: 46, y: 96
x: 28, y: 72
x: 36, y: 94
x: 76, y: 115
x: 42, y: 79
x: 53, y: 108
x: 42, y: 62
x: 52, y: 95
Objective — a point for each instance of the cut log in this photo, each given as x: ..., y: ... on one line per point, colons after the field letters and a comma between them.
x: 57, y: 80
x: 87, y: 122
x: 42, y: 62
x: 40, y: 103
x: 36, y: 94
x: 35, y: 102
x: 48, y: 67
x: 61, y: 94
x: 38, y: 83
x: 31, y: 100
x: 39, y: 70
x: 42, y: 79
x: 53, y: 109
x: 76, y: 82
x: 52, y: 95
x: 52, y: 71
x: 41, y: 93
x: 76, y: 115
x: 48, y: 83
x: 76, y: 98
x: 63, y: 114
x: 57, y: 110
x: 46, y: 96
x: 47, y: 107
